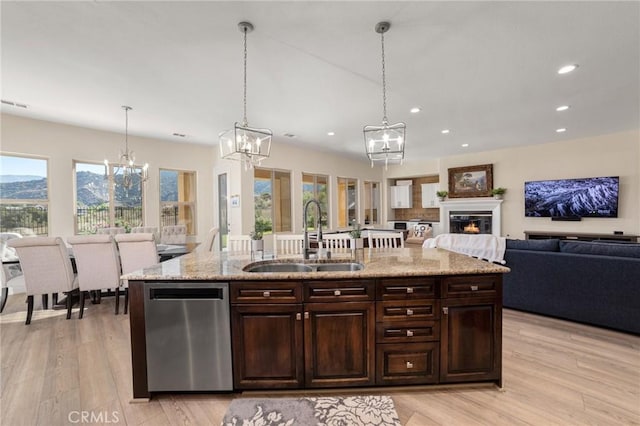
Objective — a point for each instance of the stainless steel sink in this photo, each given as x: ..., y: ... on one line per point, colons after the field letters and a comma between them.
x: 280, y: 266
x: 351, y: 266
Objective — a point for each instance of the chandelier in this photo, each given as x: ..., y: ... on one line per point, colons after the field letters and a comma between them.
x: 243, y: 143
x: 386, y: 142
x: 125, y: 173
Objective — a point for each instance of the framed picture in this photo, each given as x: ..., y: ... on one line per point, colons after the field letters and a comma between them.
x: 235, y: 201
x: 471, y: 181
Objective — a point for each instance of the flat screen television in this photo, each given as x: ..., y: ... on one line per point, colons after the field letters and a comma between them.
x: 587, y: 197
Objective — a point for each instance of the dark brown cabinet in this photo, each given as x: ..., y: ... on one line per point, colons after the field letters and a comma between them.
x: 471, y: 329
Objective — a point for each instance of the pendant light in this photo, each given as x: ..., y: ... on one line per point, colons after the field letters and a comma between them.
x: 386, y: 142
x: 125, y: 172
x: 243, y: 143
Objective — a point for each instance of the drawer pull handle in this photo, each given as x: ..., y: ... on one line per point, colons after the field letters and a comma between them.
x: 409, y: 364
x: 306, y: 315
x: 266, y: 294
x: 445, y: 311
x: 474, y: 288
x: 298, y: 316
x: 337, y: 293
x: 409, y: 290
x: 409, y: 333
x: 409, y: 312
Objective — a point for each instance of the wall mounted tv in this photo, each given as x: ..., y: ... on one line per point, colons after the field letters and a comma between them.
x: 572, y: 198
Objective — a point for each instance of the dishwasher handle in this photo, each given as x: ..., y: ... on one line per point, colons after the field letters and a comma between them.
x: 186, y: 293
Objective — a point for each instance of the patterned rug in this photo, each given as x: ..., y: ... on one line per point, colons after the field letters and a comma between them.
x: 321, y: 411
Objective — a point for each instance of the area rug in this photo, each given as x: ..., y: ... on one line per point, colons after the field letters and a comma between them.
x: 330, y: 411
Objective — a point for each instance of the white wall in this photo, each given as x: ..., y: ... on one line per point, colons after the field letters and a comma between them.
x: 608, y: 155
x: 61, y: 144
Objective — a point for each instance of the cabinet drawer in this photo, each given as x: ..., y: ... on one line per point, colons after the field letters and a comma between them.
x: 407, y: 310
x: 266, y: 292
x: 407, y: 331
x: 472, y: 286
x: 411, y: 288
x: 339, y: 291
x: 407, y: 363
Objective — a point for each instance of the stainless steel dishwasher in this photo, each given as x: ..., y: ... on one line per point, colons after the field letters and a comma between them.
x: 188, y: 336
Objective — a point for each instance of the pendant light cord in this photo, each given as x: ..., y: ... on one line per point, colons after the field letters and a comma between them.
x: 245, y: 122
x: 384, y: 85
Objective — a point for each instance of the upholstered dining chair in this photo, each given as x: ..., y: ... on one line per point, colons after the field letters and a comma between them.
x: 16, y: 283
x: 137, y: 251
x: 207, y: 245
x: 386, y: 240
x: 98, y: 264
x: 111, y: 231
x: 174, y: 234
x: 239, y: 244
x: 146, y: 230
x: 47, y: 269
x: 288, y: 244
x: 340, y: 241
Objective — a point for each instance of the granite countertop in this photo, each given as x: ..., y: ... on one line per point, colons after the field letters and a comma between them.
x: 403, y: 262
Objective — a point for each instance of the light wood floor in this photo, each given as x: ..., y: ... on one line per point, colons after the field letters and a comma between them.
x: 555, y: 372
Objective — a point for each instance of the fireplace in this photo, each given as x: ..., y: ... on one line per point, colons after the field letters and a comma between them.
x: 470, y: 222
x: 484, y: 213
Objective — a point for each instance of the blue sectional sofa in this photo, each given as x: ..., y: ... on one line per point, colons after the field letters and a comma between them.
x: 595, y: 283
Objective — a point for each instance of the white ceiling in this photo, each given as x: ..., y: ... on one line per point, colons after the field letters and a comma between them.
x: 485, y: 70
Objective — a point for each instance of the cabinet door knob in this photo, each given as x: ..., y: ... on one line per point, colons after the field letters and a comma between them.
x: 409, y: 290
x: 266, y: 293
x: 445, y: 310
x: 474, y: 288
x: 409, y: 364
x: 409, y: 333
x: 337, y: 293
x: 409, y: 311
x: 298, y: 316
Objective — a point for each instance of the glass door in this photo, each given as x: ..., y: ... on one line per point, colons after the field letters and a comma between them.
x: 222, y: 210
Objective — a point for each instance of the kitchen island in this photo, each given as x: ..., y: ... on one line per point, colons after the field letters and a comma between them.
x: 409, y: 316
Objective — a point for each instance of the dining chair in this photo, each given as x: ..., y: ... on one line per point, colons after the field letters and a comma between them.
x: 239, y: 244
x: 207, y: 245
x: 146, y: 230
x: 288, y: 244
x: 15, y: 283
x: 98, y: 264
x: 137, y: 251
x: 174, y: 234
x: 47, y: 269
x: 386, y: 240
x: 341, y: 241
x: 111, y: 231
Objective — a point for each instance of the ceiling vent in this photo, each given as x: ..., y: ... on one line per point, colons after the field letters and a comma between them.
x: 15, y: 104
x: 289, y: 135
x: 179, y: 135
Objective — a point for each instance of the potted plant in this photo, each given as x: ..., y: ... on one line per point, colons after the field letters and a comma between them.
x: 257, y: 243
x: 442, y: 195
x: 498, y: 193
x: 356, y: 236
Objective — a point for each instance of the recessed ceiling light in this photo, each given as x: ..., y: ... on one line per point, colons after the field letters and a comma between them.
x: 562, y: 108
x: 414, y: 110
x: 561, y: 130
x: 464, y: 145
x: 567, y: 69
x: 445, y: 131
x: 331, y: 133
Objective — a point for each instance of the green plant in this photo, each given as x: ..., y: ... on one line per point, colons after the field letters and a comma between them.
x: 498, y: 191
x: 356, y: 232
x: 442, y: 194
x: 258, y: 230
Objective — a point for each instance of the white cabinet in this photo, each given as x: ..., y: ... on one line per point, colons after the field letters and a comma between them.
x: 401, y: 197
x: 429, y: 197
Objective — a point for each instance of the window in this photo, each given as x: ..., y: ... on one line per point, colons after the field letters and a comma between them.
x: 102, y: 203
x: 24, y: 195
x: 371, y: 203
x: 347, y: 202
x: 178, y: 199
x: 316, y: 187
x: 272, y: 200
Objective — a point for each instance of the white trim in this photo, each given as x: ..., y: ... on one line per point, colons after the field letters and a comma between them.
x: 469, y: 204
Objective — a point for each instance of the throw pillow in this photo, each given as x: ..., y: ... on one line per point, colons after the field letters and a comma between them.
x: 602, y: 249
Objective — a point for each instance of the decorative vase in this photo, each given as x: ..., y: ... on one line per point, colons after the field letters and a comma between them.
x: 498, y: 196
x: 358, y: 243
x: 441, y: 198
x: 257, y: 245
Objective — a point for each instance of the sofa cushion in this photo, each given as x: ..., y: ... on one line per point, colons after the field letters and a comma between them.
x: 601, y: 249
x: 537, y: 245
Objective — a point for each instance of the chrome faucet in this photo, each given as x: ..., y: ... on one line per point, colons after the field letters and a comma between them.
x: 307, y: 249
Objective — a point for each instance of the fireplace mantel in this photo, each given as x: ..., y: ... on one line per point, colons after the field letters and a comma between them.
x: 472, y: 204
